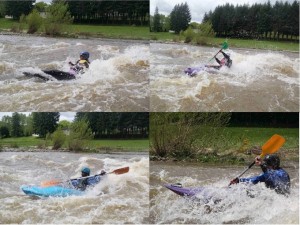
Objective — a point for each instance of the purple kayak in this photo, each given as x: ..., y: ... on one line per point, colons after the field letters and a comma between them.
x: 193, y: 71
x: 184, y: 191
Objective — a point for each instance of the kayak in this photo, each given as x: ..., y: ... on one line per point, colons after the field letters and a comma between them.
x: 59, y: 191
x: 57, y: 74
x: 178, y: 189
x: 53, y: 191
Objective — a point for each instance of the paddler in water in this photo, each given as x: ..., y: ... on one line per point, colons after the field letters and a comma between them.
x: 82, y: 63
x: 273, y: 175
x: 83, y: 183
x: 226, y: 61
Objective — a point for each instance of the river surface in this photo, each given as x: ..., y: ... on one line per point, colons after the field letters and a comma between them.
x: 117, y: 199
x: 117, y: 80
x: 258, y: 81
x: 235, y: 207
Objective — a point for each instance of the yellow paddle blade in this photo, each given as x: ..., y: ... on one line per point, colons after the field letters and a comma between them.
x: 272, y: 145
x: 50, y: 183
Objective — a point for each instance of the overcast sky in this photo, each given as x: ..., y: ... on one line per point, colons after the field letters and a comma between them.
x: 63, y: 115
x: 199, y: 7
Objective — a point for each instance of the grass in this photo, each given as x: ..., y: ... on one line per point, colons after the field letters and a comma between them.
x: 237, y: 43
x: 74, y: 30
x: 120, y: 145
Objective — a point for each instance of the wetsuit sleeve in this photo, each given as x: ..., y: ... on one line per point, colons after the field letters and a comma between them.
x: 225, y: 55
x: 218, y: 61
x: 86, y: 65
x: 254, y: 180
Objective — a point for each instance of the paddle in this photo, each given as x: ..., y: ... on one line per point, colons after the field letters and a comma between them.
x: 224, y: 46
x: 271, y: 146
x: 55, y: 182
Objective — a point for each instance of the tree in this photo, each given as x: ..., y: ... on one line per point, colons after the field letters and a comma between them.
x: 16, y: 128
x: 4, y: 132
x: 41, y: 6
x: 156, y: 21
x: 180, y: 17
x: 45, y: 122
x: 57, y: 16
x: 2, y: 9
x: 17, y: 8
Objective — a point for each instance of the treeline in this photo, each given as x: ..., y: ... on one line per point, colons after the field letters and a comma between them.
x: 273, y: 120
x: 112, y: 12
x: 278, y: 21
x: 116, y: 125
x: 101, y: 125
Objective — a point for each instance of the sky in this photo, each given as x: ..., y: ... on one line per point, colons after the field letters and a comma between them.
x: 199, y: 7
x: 69, y: 116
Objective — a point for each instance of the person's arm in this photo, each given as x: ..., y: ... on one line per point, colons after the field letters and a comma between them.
x: 86, y: 64
x: 218, y: 61
x: 225, y: 55
x: 254, y: 180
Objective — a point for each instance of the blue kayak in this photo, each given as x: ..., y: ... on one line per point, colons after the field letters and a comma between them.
x: 54, y: 191
x: 60, y: 191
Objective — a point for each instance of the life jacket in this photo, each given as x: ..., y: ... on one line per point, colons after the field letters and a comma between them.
x: 82, y: 62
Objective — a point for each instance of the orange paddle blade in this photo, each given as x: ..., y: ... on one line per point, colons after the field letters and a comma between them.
x: 121, y: 170
x: 272, y: 145
x: 50, y: 183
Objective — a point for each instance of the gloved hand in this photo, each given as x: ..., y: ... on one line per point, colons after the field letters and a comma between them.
x: 234, y: 181
x: 102, y: 172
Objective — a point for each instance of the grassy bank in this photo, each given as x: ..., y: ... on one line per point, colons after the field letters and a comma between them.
x: 234, y: 144
x: 236, y: 43
x: 107, y: 145
x: 80, y: 30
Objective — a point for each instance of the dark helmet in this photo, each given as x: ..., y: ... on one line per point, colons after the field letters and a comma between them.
x: 272, y: 160
x: 85, y: 55
x: 86, y: 171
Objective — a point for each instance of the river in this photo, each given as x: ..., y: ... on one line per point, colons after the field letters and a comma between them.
x: 258, y: 81
x: 235, y: 207
x: 117, y: 199
x: 117, y: 80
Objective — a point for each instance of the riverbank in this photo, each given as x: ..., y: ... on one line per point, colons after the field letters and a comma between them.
x: 291, y: 46
x: 24, y: 144
x: 8, y: 26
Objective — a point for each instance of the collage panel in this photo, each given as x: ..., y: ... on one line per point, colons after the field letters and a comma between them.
x: 73, y: 56
x: 224, y: 56
x: 66, y: 168
x: 224, y: 168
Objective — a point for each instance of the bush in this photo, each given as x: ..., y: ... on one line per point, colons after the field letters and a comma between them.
x: 79, y: 135
x: 189, y: 35
x: 58, y: 139
x: 34, y: 21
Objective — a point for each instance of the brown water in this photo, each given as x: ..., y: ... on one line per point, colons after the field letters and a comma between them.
x: 236, y: 206
x: 258, y: 81
x: 116, y: 199
x: 116, y: 81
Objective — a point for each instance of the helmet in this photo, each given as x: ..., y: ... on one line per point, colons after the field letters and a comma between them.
x: 85, y: 55
x: 272, y: 160
x: 86, y: 170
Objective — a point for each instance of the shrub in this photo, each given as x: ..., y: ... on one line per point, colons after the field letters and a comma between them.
x: 79, y: 135
x: 34, y: 21
x: 58, y: 139
x: 188, y: 35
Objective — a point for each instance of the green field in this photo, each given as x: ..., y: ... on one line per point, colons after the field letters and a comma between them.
x: 75, y: 30
x: 236, y: 43
x: 120, y: 145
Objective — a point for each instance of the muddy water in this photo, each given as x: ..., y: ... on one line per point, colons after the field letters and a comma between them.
x: 116, y: 81
x: 258, y: 81
x: 116, y: 199
x: 236, y: 206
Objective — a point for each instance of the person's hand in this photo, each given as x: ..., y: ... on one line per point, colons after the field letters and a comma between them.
x: 234, y: 181
x: 102, y: 172
x: 70, y: 63
x: 258, y: 161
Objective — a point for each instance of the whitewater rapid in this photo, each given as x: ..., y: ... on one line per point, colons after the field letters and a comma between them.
x: 117, y: 79
x: 258, y: 81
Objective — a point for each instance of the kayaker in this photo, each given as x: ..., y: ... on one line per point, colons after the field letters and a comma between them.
x: 82, y: 63
x: 226, y: 61
x: 83, y: 183
x: 273, y: 175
